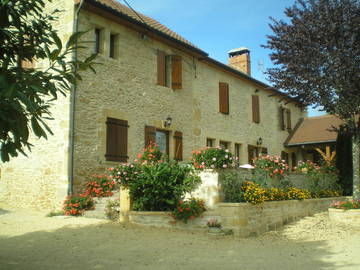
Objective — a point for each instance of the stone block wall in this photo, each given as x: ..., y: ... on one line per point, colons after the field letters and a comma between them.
x: 246, y: 219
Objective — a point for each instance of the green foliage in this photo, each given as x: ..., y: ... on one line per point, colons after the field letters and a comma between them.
x: 75, y: 205
x: 188, y: 210
x: 212, y: 158
x: 125, y: 173
x: 151, y: 154
x: 230, y: 188
x: 343, y: 156
x: 27, y: 94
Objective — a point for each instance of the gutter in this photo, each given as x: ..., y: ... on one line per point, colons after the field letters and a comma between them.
x: 310, y: 143
x: 72, y: 109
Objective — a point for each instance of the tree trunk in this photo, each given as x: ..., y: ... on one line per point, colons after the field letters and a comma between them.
x: 356, y: 167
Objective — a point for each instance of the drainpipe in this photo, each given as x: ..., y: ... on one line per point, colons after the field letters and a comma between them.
x: 72, y: 110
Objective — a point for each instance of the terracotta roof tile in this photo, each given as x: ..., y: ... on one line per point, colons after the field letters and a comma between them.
x: 115, y: 5
x: 314, y: 130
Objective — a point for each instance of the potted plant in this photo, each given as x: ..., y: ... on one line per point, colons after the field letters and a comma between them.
x: 214, y: 226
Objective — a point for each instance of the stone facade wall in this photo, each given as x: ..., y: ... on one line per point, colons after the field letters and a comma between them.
x: 126, y: 88
x: 41, y: 179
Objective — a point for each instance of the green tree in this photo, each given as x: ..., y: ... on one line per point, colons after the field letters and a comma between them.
x: 316, y: 53
x: 27, y: 35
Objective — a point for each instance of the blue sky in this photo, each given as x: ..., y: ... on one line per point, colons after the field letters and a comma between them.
x: 217, y: 26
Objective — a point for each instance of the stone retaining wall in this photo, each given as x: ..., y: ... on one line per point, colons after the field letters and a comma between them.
x: 246, y: 219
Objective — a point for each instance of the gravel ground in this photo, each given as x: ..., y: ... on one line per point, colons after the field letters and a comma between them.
x: 29, y: 240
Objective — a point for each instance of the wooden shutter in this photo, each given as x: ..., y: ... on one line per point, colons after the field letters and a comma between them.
x: 224, y: 98
x: 176, y: 67
x: 251, y: 150
x: 161, y: 68
x: 256, y: 109
x: 288, y: 119
x: 178, y: 154
x: 282, y: 118
x: 116, y: 140
x: 150, y: 135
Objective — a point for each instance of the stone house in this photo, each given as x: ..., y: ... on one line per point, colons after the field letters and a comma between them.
x: 153, y: 85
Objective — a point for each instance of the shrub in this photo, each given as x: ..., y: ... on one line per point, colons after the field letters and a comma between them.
x: 212, y: 158
x: 298, y: 194
x: 231, y: 188
x: 190, y: 209
x: 123, y: 174
x: 75, y: 205
x: 346, y: 205
x: 326, y: 194
x: 306, y: 167
x: 253, y: 193
x: 150, y: 154
x: 272, y: 166
x: 161, y: 185
x: 101, y: 186
x: 112, y: 209
x: 275, y: 194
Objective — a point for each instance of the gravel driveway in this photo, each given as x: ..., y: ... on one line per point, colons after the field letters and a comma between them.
x: 29, y: 240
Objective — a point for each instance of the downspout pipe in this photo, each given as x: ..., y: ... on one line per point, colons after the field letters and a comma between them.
x: 72, y: 110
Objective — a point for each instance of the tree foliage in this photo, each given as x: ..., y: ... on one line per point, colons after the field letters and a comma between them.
x: 317, y: 55
x: 27, y: 35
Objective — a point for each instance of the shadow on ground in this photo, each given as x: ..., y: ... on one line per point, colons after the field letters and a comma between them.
x: 113, y: 246
x: 4, y: 212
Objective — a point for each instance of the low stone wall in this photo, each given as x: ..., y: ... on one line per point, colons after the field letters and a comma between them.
x: 246, y: 219
x: 163, y: 219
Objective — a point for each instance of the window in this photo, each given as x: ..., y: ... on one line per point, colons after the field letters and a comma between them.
x: 98, y: 37
x: 256, y: 109
x: 285, y: 156
x: 223, y: 98
x: 113, y: 45
x: 158, y: 136
x: 237, y: 153
x: 293, y: 159
x: 224, y: 145
x: 210, y: 142
x: 255, y: 151
x: 285, y: 119
x: 163, y: 74
x: 116, y: 140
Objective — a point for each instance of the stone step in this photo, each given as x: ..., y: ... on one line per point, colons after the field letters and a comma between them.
x: 100, y: 206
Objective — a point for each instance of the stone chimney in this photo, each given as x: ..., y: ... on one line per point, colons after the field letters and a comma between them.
x: 240, y: 59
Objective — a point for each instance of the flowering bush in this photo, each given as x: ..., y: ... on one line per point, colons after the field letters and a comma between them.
x: 151, y: 154
x: 275, y: 194
x: 212, y: 158
x: 101, y: 186
x: 112, y: 209
x: 253, y: 193
x: 273, y: 166
x: 326, y: 194
x: 346, y: 205
x: 298, y: 194
x: 190, y: 209
x: 124, y: 173
x: 76, y: 205
x: 213, y: 222
x: 306, y: 167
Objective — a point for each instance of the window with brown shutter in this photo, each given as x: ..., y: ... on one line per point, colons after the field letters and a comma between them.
x: 116, y: 140
x: 253, y: 152
x: 178, y: 153
x: 293, y: 159
x: 176, y: 75
x: 255, y: 109
x: 150, y: 135
x: 282, y: 118
x: 161, y: 68
x: 285, y: 156
x: 224, y: 98
x: 210, y: 142
x: 288, y: 119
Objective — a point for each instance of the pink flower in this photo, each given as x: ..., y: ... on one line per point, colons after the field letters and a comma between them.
x: 224, y: 166
x: 213, y: 166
